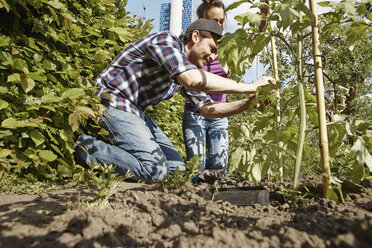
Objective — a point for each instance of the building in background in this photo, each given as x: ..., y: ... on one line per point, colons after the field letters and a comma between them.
x: 187, y: 14
x: 164, y: 16
x: 178, y: 18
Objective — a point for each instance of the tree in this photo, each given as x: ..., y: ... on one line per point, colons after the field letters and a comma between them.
x: 351, y: 69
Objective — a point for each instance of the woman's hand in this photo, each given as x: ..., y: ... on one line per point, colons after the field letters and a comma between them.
x: 264, y: 80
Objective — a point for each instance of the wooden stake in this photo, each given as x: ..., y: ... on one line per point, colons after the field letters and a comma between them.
x: 318, y: 68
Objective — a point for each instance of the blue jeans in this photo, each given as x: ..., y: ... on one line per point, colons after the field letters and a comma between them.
x: 208, y: 137
x: 135, y: 143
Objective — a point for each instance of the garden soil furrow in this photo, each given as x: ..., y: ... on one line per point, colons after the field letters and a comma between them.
x: 140, y: 215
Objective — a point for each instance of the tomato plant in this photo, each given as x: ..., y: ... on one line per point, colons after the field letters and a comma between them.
x: 254, y: 143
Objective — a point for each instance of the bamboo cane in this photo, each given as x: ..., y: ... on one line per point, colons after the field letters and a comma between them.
x: 323, y: 138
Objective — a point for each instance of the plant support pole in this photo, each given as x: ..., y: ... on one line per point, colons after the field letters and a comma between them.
x: 318, y: 68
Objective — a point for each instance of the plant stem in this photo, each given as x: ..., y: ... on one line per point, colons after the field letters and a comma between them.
x: 278, y: 117
x: 286, y: 43
x: 301, y: 95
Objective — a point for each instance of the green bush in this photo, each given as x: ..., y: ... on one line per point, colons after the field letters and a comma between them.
x: 168, y: 115
x: 50, y: 54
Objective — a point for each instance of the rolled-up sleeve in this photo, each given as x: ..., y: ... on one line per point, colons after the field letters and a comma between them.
x: 198, y: 98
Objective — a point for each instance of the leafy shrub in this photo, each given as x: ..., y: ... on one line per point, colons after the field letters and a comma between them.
x: 50, y: 55
x: 168, y: 115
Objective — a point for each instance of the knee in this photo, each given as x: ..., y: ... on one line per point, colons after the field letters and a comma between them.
x: 157, y: 172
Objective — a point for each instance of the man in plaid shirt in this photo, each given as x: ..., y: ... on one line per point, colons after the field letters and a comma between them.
x: 146, y: 72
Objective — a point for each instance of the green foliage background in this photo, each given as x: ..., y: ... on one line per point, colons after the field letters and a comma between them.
x: 168, y: 115
x: 50, y: 54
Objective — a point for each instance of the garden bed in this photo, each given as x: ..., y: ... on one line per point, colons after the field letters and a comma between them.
x: 140, y: 215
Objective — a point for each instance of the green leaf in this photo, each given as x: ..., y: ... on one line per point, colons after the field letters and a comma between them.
x: 4, y: 41
x: 358, y: 173
x: 345, y: 6
x: 55, y: 4
x: 235, y: 159
x: 5, y: 152
x: 355, y: 32
x: 3, y: 4
x: 12, y: 123
x: 47, y: 155
x: 358, y: 145
x: 93, y: 32
x: 19, y: 64
x: 283, y: 135
x: 69, y: 17
x: 37, y: 137
x: 369, y: 16
x: 306, y: 10
x: 362, y: 10
x: 339, y: 117
x: 288, y: 15
x: 27, y: 83
x: 65, y: 170
x: 332, y: 195
x: 85, y: 111
x: 14, y: 78
x: 251, y: 18
x: 256, y: 172
x: 324, y: 4
x: 52, y: 135
x: 74, y: 121
x: 3, y: 90
x: 49, y: 98
x: 235, y: 4
x: 368, y: 160
x: 363, y: 156
x: 72, y: 93
x: 362, y: 126
x: 348, y: 128
x: 3, y: 104
x: 123, y: 34
x: 49, y: 65
x: 38, y: 76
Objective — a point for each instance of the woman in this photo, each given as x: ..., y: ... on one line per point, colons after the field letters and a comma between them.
x: 202, y: 136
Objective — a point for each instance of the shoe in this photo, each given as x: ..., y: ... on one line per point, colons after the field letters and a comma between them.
x: 209, y: 176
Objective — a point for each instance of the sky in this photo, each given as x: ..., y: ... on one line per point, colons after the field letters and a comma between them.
x: 152, y: 11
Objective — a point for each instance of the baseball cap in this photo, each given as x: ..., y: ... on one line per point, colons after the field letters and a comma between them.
x: 205, y: 25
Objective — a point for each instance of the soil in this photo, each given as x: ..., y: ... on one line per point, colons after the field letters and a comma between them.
x: 141, y: 215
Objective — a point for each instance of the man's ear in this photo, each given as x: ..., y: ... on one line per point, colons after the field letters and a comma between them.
x: 195, y: 37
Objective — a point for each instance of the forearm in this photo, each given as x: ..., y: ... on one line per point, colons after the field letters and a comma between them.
x: 199, y: 80
x: 220, y: 110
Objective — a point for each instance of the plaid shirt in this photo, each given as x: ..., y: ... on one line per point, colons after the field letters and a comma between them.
x: 143, y: 74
